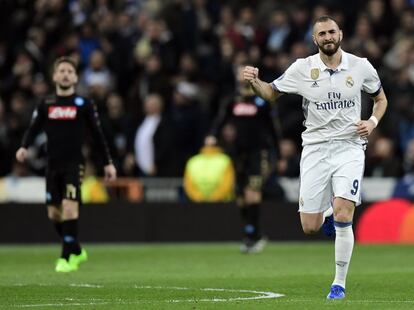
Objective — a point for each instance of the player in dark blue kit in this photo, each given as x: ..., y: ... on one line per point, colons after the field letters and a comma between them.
x: 254, y: 148
x: 65, y: 117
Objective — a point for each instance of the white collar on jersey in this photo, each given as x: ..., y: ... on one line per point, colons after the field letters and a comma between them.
x: 344, y: 65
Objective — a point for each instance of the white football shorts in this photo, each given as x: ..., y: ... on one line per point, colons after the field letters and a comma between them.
x: 327, y: 170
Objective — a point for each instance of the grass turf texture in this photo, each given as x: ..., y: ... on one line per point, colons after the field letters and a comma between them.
x: 175, y: 276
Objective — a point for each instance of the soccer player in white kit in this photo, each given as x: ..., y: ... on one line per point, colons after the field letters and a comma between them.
x: 332, y: 162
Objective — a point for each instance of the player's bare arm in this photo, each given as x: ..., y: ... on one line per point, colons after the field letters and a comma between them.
x: 260, y: 88
x: 364, y: 128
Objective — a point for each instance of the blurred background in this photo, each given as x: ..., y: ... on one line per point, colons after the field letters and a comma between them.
x: 177, y: 59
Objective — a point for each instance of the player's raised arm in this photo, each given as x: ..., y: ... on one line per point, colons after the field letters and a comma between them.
x: 261, y: 88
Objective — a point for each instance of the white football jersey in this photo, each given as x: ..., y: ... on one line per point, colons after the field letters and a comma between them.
x: 331, y: 99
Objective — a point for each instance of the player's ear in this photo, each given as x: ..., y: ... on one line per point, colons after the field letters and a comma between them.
x: 314, y: 40
x: 341, y: 35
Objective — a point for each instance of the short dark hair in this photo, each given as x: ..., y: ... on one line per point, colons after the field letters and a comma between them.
x: 325, y: 18
x: 65, y: 59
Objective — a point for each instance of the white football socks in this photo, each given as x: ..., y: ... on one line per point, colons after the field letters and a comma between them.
x: 344, y: 244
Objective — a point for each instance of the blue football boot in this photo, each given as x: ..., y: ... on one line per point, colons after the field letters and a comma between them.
x: 337, y: 292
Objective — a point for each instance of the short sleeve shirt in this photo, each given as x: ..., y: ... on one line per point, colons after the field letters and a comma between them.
x: 331, y: 99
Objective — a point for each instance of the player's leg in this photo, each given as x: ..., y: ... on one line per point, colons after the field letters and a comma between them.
x: 239, y: 162
x: 70, y: 216
x: 256, y: 168
x: 55, y: 216
x: 53, y: 199
x: 346, y: 186
x: 249, y: 205
x: 315, y: 188
x: 71, y: 249
x: 344, y: 244
x: 54, y: 183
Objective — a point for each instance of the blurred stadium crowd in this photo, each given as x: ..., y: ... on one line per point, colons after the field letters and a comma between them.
x: 176, y: 59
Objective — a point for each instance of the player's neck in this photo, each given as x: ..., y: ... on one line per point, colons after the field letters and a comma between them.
x: 65, y: 92
x: 333, y: 61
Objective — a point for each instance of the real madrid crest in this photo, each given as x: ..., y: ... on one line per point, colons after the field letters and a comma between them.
x: 349, y: 81
x: 314, y: 73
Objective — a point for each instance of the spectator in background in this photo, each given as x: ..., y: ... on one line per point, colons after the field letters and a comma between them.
x: 153, y: 144
x: 363, y: 43
x: 118, y: 126
x: 158, y: 40
x: 5, y: 162
x: 279, y: 31
x: 35, y: 47
x: 382, y: 161
x: 88, y: 43
x: 97, y: 78
x: 405, y: 186
x: 188, y: 123
x: 209, y: 176
x: 289, y: 159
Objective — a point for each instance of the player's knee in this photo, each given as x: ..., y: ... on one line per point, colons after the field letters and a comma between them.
x: 343, y: 216
x: 54, y: 214
x: 70, y: 210
x: 309, y: 229
x: 252, y: 196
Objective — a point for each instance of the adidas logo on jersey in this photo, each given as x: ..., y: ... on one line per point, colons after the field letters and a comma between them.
x: 314, y: 84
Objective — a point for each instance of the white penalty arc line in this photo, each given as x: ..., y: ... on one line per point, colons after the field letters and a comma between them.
x: 261, y: 295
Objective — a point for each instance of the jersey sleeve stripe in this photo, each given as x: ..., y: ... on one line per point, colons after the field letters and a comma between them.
x: 375, y: 93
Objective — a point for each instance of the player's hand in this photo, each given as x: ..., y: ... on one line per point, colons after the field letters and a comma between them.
x: 364, y: 128
x: 21, y: 154
x: 210, y: 141
x: 250, y: 73
x: 110, y: 172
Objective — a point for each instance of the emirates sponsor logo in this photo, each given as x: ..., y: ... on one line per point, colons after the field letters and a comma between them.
x: 244, y: 109
x: 63, y: 113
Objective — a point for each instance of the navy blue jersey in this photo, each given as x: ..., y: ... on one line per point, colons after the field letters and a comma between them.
x: 252, y: 119
x: 65, y: 120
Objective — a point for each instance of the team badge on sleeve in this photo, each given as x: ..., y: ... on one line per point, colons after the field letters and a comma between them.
x: 79, y: 101
x: 314, y: 73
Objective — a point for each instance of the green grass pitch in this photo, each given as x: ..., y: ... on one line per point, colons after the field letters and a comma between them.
x: 205, y: 276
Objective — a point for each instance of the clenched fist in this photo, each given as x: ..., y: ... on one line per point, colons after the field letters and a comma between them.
x: 250, y: 73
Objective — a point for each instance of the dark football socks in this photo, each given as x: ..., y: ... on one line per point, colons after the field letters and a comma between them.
x: 250, y: 218
x: 58, y: 228
x: 70, y: 238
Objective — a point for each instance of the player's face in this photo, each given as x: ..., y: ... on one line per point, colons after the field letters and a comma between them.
x: 327, y: 36
x: 65, y: 76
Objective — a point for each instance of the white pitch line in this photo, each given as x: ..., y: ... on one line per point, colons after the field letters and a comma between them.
x: 86, y: 285
x: 262, y: 295
x: 75, y: 304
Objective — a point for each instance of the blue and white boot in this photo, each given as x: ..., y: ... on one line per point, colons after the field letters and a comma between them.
x: 337, y: 292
